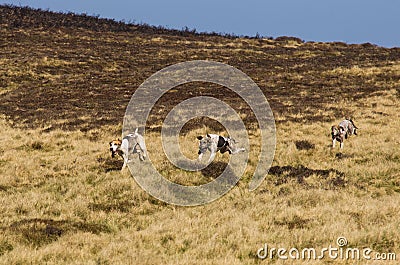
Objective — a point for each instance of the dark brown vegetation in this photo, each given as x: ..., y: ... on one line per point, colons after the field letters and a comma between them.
x: 79, y: 72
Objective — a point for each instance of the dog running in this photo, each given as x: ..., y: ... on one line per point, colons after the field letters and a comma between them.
x: 215, y: 143
x: 132, y: 143
x: 342, y: 131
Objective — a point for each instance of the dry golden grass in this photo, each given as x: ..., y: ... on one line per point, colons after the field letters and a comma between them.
x: 64, y: 200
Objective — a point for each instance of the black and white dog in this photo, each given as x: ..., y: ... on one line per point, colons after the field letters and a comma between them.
x: 215, y: 143
x: 132, y: 143
x: 342, y: 131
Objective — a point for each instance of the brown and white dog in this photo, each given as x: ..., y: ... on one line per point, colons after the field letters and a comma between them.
x: 215, y: 143
x: 342, y: 131
x: 132, y: 143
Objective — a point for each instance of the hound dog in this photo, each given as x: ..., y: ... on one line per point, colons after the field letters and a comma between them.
x: 342, y: 131
x: 131, y: 144
x: 215, y: 143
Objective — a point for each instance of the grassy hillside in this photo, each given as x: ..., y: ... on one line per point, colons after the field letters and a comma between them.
x: 65, y: 81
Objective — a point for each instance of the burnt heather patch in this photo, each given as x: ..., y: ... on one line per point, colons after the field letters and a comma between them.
x: 58, y: 71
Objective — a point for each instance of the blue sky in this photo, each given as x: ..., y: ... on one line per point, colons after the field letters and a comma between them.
x: 350, y: 21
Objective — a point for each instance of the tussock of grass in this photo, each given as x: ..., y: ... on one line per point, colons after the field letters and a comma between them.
x: 5, y: 247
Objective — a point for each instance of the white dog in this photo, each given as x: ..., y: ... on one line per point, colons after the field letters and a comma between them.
x: 215, y: 143
x: 131, y: 144
x: 342, y: 131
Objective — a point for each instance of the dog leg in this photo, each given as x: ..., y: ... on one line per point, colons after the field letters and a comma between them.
x: 212, y: 156
x: 142, y: 148
x: 341, y: 145
x: 200, y: 156
x: 141, y: 156
x: 333, y: 143
x: 123, y: 166
x: 144, y: 154
x: 125, y: 157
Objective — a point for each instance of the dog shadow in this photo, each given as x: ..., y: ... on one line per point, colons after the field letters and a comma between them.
x: 110, y: 164
x: 215, y: 169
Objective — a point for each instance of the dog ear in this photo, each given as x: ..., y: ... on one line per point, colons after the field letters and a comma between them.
x: 208, y: 135
x: 199, y: 137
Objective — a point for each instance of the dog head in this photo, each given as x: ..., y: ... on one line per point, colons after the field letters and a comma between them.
x: 114, y: 146
x: 204, y: 144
